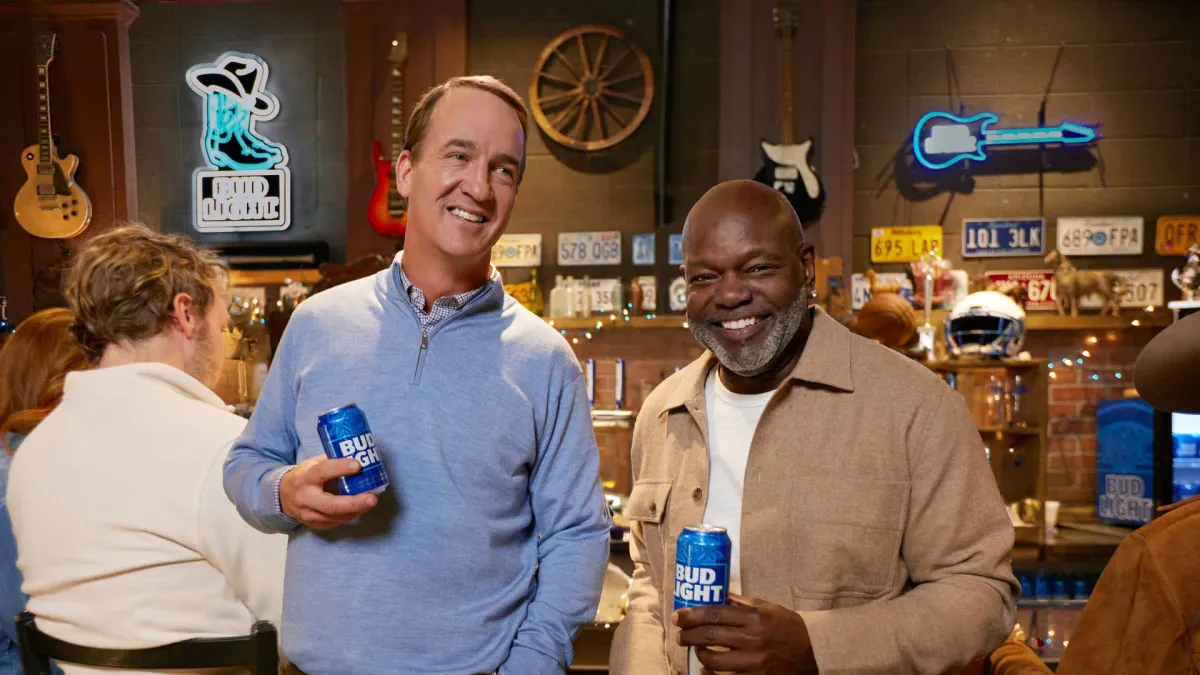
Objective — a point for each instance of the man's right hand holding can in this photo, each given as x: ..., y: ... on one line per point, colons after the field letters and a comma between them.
x: 302, y: 494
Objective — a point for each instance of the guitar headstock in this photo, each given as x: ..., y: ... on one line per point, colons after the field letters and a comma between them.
x: 785, y: 19
x: 45, y: 49
x: 399, y: 52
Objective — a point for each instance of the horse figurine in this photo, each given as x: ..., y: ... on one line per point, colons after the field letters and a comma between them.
x: 1073, y: 284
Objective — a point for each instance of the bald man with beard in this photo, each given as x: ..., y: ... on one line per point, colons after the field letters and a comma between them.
x: 868, y: 532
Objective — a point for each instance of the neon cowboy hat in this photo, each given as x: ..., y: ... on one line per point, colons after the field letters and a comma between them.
x: 239, y: 76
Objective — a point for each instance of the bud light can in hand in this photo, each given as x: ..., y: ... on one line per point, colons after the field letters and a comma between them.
x: 345, y: 434
x: 702, y: 566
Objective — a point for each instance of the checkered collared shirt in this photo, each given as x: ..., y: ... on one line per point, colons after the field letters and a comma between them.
x: 443, y: 308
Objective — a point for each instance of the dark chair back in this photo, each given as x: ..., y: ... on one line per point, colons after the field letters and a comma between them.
x: 257, y: 651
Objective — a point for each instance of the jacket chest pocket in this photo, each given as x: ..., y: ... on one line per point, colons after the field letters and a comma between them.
x: 847, y: 536
x: 646, y: 510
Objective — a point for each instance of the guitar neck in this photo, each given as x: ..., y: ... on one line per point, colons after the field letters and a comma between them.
x: 786, y: 106
x: 396, y: 110
x: 45, y: 143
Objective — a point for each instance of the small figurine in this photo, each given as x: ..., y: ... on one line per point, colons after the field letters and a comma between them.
x: 1073, y: 283
x: 1187, y: 278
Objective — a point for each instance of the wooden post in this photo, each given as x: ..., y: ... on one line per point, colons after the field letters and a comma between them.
x: 91, y: 109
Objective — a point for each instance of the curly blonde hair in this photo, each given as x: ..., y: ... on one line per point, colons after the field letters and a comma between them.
x: 123, y: 284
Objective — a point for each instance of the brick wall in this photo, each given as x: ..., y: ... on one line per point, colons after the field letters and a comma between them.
x: 1128, y: 65
x: 1106, y: 373
x: 569, y: 190
x: 302, y: 43
x: 651, y: 356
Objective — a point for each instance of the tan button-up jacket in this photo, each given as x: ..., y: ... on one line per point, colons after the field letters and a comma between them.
x: 869, y: 508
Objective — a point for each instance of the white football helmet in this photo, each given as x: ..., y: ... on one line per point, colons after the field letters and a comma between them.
x: 987, y: 324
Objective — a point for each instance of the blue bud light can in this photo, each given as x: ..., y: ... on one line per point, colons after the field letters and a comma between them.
x: 702, y: 566
x: 345, y: 434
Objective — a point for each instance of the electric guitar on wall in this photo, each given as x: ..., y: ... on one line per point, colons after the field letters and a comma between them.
x: 50, y: 204
x: 785, y: 165
x: 387, y: 210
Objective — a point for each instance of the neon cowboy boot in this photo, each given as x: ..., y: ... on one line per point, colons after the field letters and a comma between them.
x: 230, y: 141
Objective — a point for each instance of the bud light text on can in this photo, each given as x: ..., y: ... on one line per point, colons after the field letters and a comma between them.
x: 702, y: 566
x: 345, y: 435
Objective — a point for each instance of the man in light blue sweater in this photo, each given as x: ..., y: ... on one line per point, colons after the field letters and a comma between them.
x: 487, y: 551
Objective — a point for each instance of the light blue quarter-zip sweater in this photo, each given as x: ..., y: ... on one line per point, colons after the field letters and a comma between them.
x: 488, y: 549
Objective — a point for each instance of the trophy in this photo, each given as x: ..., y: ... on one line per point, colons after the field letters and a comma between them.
x: 929, y: 267
x: 1187, y: 278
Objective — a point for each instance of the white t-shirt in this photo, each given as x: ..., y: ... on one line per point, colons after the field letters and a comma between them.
x: 732, y: 419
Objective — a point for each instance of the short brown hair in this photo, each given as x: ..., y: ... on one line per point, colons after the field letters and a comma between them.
x: 123, y: 284
x: 34, y: 364
x: 422, y: 114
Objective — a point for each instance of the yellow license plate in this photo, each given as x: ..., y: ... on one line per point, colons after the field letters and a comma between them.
x: 1176, y: 234
x: 905, y: 244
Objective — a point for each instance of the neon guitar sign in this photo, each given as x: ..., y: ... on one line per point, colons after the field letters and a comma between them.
x: 942, y: 140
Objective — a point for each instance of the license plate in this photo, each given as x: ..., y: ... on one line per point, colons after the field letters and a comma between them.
x: 904, y: 244
x: 643, y: 249
x: 518, y: 250
x: 1176, y: 234
x: 1143, y: 288
x: 675, y: 249
x: 1039, y: 287
x: 606, y: 294
x: 1101, y: 236
x: 983, y: 238
x: 589, y: 248
x: 649, y: 286
x: 860, y: 287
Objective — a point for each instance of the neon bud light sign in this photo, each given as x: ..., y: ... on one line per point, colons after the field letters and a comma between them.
x: 246, y: 185
x: 942, y: 140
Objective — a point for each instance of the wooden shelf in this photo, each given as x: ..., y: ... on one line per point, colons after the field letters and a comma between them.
x: 1011, y: 431
x: 1034, y: 321
x: 956, y: 365
x: 605, y: 321
x: 1160, y: 318
x: 272, y: 277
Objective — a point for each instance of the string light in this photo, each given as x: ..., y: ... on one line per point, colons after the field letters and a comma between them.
x: 1135, y: 322
x: 1119, y: 376
x: 1091, y: 340
x: 1054, y: 376
x: 1086, y: 354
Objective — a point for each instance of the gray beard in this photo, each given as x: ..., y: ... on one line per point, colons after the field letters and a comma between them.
x: 755, y: 360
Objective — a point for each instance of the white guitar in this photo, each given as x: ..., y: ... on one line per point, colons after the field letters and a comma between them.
x: 786, y: 165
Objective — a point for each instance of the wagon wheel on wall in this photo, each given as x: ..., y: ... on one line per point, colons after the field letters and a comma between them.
x: 596, y: 98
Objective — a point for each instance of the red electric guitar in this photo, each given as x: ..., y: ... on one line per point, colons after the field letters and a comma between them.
x: 387, y: 210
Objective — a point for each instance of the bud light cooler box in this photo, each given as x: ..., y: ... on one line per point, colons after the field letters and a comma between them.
x: 1125, y: 454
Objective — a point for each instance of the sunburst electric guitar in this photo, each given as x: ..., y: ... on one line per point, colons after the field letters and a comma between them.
x: 50, y: 204
x: 387, y: 211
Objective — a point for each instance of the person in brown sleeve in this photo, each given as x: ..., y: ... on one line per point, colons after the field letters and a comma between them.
x: 1143, y: 616
x: 868, y: 532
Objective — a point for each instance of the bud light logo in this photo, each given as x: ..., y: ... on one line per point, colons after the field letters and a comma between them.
x: 360, y: 448
x: 699, y: 585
